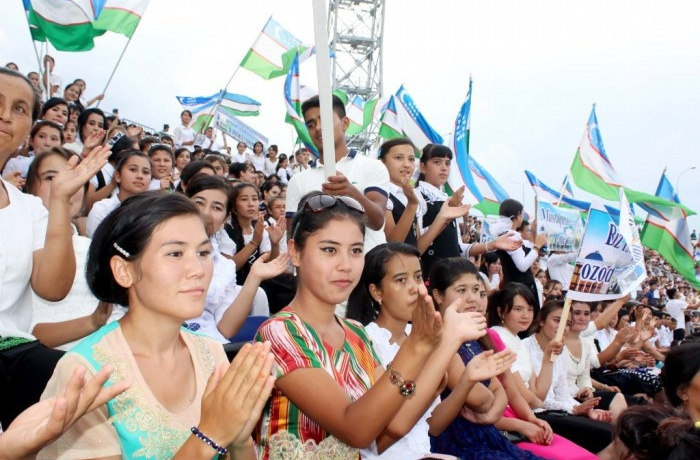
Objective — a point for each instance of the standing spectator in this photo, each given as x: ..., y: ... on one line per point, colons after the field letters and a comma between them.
x: 676, y: 308
x: 257, y: 158
x: 184, y: 135
x: 271, y: 160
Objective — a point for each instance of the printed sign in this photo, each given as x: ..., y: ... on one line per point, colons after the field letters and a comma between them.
x: 237, y: 129
x: 564, y: 227
x: 610, y: 262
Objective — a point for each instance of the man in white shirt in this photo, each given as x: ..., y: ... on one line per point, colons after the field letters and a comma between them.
x: 364, y: 179
x: 676, y: 308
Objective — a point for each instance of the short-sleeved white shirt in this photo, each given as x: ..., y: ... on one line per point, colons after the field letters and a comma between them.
x: 99, y: 211
x: 184, y: 134
x: 22, y: 231
x: 107, y: 172
x: 366, y: 174
x: 257, y: 161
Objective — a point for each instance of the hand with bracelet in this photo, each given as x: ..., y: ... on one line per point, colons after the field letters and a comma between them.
x: 233, y: 401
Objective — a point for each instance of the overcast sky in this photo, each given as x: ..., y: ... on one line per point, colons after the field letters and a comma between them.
x: 538, y: 66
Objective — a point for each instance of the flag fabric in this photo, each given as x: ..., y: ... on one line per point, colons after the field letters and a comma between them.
x: 240, y: 105
x: 413, y: 123
x: 671, y: 238
x: 545, y: 193
x: 390, y: 125
x: 202, y: 107
x: 67, y: 25
x: 492, y: 193
x: 121, y: 16
x: 73, y: 25
x: 292, y: 90
x: 273, y: 51
x: 355, y: 111
x: 465, y: 170
x: 591, y: 169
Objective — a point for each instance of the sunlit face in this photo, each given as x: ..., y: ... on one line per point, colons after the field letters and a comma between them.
x: 273, y: 192
x: 495, y: 267
x: 46, y: 138
x: 80, y: 84
x: 241, y: 148
x: 483, y: 303
x: 183, y: 158
x: 580, y: 316
x: 212, y: 205
x: 49, y: 168
x: 57, y: 114
x: 173, y: 274
x: 277, y: 209
x: 331, y: 262
x: 520, y: 317
x: 185, y: 118
x: 94, y: 124
x: 284, y: 163
x: 257, y: 148
x: 398, y: 290
x: 271, y: 153
x: 400, y: 161
x: 72, y: 93
x: 70, y: 133
x: 134, y: 177
x: 550, y: 325
x: 161, y: 164
x: 465, y: 288
x: 312, y: 118
x: 436, y: 171
x: 247, y: 203
x: 16, y: 101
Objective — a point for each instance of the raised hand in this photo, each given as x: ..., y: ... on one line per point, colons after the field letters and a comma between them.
x: 487, y: 365
x: 448, y: 211
x: 94, y: 140
x: 427, y: 322
x: 276, y: 232
x: 456, y: 198
x: 407, y: 190
x: 553, y: 348
x: 463, y: 326
x: 236, y: 394
x: 264, y: 270
x: 258, y: 232
x: 76, y: 175
x: 46, y: 420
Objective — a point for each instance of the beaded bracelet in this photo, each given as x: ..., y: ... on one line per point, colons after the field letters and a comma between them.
x: 221, y: 450
x: 406, y: 387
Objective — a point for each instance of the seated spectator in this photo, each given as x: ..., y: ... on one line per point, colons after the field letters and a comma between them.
x: 132, y: 175
x: 61, y: 324
x: 143, y: 255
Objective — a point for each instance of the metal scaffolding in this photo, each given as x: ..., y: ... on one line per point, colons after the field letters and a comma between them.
x: 356, y: 28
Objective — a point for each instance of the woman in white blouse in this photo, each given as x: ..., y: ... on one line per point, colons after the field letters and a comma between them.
x: 184, y: 135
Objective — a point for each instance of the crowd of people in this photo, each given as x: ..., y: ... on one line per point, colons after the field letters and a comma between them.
x: 131, y: 260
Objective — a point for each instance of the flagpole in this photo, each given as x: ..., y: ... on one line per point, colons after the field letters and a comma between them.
x: 219, y: 100
x: 109, y: 80
x: 36, y: 52
x: 563, y: 188
x: 323, y: 66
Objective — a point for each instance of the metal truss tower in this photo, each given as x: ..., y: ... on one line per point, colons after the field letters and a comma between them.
x: 356, y: 28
